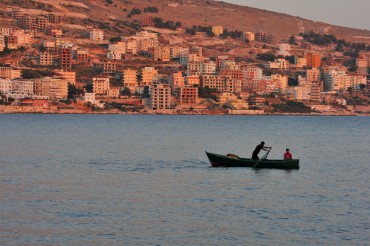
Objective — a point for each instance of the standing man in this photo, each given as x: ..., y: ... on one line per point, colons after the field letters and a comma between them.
x: 258, y: 149
x: 287, y: 156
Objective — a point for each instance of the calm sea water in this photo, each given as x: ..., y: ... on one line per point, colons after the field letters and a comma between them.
x: 145, y: 180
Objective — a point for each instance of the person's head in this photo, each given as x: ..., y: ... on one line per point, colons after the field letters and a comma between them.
x: 262, y: 143
x: 287, y: 150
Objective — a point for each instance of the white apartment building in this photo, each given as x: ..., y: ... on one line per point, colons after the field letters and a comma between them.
x: 278, y: 64
x: 119, y: 47
x: 334, y: 80
x: 201, y: 67
x: 253, y: 73
x: 114, y: 55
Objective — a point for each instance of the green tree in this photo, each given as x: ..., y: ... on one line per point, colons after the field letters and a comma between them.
x: 362, y: 87
x: 89, y: 88
x: 126, y: 92
x: 292, y: 40
x: 73, y: 91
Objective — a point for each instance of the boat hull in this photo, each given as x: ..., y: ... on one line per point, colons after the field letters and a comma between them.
x: 225, y: 161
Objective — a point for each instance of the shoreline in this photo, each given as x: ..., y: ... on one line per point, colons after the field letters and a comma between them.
x: 82, y: 112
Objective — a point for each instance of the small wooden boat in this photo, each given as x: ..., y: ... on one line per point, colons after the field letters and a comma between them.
x: 232, y: 160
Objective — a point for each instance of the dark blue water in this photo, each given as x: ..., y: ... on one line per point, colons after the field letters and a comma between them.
x: 145, y: 180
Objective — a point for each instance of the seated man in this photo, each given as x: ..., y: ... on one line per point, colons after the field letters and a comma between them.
x: 287, y: 156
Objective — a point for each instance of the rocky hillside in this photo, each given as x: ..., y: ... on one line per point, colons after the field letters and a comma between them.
x: 199, y: 12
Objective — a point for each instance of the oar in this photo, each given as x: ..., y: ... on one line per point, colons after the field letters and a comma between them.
x: 258, y: 162
x: 263, y: 158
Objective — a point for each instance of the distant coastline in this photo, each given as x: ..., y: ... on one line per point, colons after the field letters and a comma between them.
x: 19, y: 110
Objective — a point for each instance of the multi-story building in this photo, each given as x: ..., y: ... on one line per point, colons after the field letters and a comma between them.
x: 27, y: 22
x: 10, y: 73
x: 109, y: 67
x: 187, y: 95
x: 362, y: 62
x: 113, y: 92
x: 130, y: 79
x: 160, y: 96
x: 23, y: 38
x: 282, y: 80
x: 147, y: 21
x: 46, y: 59
x: 313, y: 60
x: 2, y: 43
x: 11, y: 42
x: 278, y: 64
x: 253, y: 73
x: 334, y: 79
x: 261, y: 36
x: 6, y: 31
x: 248, y: 36
x: 175, y: 52
x: 226, y: 97
x: 17, y: 88
x: 114, y: 55
x: 51, y: 87
x: 213, y: 81
x: 162, y: 53
x: 131, y: 46
x: 176, y: 80
x: 119, y: 47
x: 192, y: 80
x: 41, y: 23
x: 96, y: 34
x: 257, y: 101
x: 54, y: 19
x: 301, y: 93
x: 315, y: 92
x: 101, y: 85
x: 233, y: 74
x: 201, y: 67
x: 82, y: 55
x: 67, y: 75
x: 217, y: 30
x: 55, y: 33
x: 271, y: 39
x: 313, y: 75
x: 65, y: 58
x: 148, y: 75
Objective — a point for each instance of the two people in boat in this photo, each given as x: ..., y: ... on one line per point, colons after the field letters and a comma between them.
x: 261, y: 146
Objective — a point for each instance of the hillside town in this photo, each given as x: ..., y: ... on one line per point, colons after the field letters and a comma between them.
x: 56, y: 64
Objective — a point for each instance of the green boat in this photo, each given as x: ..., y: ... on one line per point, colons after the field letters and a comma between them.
x: 232, y: 160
